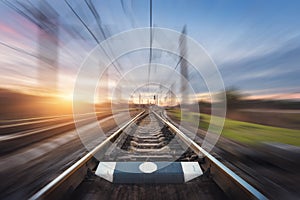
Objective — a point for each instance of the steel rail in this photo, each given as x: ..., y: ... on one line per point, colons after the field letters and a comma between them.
x: 238, y: 187
x: 35, y: 119
x: 246, y: 189
x: 58, y: 181
x: 38, y: 130
x: 13, y: 141
x: 31, y: 122
x: 7, y: 123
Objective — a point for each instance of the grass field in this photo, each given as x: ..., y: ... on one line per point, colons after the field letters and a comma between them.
x: 244, y: 132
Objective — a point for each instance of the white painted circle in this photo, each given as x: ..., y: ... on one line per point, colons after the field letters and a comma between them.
x: 148, y: 167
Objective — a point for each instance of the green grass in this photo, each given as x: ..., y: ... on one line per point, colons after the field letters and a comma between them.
x: 244, y: 132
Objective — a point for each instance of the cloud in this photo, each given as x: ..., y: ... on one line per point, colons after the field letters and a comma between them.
x: 271, y: 70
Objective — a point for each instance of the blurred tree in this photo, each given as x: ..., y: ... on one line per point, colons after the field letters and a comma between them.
x: 233, y: 98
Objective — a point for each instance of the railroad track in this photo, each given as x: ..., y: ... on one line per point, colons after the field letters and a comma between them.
x: 156, y: 147
x: 15, y: 134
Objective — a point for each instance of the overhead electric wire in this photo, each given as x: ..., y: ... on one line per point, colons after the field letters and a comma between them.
x: 95, y: 38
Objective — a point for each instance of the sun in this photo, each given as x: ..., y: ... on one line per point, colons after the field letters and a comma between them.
x: 66, y: 97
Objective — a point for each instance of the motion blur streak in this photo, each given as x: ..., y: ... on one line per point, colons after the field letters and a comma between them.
x: 254, y: 44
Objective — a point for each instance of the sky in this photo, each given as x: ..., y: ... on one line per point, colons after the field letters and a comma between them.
x: 254, y: 44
